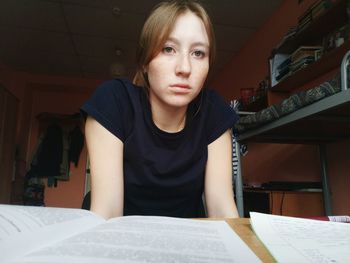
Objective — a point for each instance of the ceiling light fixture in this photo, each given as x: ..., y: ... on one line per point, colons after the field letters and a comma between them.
x: 118, y: 52
x: 116, y: 11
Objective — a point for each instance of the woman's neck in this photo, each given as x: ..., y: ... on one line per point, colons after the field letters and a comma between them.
x: 167, y: 118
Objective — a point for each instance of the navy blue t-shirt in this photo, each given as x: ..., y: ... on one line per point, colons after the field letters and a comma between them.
x: 163, y: 172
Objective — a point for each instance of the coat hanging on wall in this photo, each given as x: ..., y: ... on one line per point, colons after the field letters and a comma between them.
x: 76, y: 139
x: 49, y: 156
x: 60, y: 143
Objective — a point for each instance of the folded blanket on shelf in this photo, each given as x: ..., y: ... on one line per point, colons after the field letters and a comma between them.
x: 289, y: 105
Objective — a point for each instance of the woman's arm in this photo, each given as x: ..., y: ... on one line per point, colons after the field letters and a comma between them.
x: 106, y: 164
x: 218, y: 178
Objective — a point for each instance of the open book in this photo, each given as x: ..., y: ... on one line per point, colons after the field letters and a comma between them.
x: 291, y: 239
x: 38, y: 234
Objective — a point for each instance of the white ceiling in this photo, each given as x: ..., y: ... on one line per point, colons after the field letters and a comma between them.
x: 79, y: 37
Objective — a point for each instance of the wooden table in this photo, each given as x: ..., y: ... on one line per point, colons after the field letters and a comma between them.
x: 243, y: 228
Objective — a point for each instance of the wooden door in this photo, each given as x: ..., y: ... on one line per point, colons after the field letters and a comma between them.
x: 8, y: 121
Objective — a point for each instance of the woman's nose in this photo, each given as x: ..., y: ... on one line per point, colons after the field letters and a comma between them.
x: 183, y: 66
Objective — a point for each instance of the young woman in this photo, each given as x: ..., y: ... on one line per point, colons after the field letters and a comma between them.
x: 156, y: 145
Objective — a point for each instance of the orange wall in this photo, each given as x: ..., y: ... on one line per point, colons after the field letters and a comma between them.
x: 266, y: 162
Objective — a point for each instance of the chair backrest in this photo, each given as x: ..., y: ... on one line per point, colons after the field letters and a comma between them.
x: 86, y: 201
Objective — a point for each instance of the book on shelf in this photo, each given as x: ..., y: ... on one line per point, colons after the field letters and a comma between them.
x: 285, y: 64
x: 336, y: 38
x: 282, y: 73
x: 44, y: 234
x: 319, y: 10
x: 291, y: 239
x: 305, y: 21
x: 315, y: 10
x: 299, y: 59
x: 305, y: 51
x: 302, y: 63
x: 280, y: 78
x: 292, y: 31
x: 274, y: 62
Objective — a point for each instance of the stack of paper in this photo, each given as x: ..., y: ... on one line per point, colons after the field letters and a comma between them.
x: 292, y: 239
x: 37, y: 234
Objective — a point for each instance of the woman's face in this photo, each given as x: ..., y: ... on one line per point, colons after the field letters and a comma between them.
x: 177, y: 74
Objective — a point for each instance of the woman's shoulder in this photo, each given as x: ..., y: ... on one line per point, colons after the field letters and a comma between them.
x: 113, y: 105
x: 218, y: 114
x: 214, y: 99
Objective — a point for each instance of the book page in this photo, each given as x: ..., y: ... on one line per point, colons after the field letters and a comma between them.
x: 150, y: 239
x: 24, y: 228
x: 291, y: 239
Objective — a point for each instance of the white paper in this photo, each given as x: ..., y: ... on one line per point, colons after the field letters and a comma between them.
x: 16, y: 220
x: 25, y: 228
x: 291, y: 239
x: 150, y: 239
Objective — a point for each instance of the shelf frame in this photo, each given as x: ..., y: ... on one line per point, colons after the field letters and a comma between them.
x: 261, y: 134
x: 324, y: 108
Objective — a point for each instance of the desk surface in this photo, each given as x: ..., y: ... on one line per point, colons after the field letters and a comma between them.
x: 242, y: 227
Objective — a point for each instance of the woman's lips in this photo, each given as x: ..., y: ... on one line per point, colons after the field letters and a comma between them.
x: 181, y: 86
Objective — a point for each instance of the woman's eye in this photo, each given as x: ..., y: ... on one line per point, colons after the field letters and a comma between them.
x: 198, y: 54
x: 168, y: 50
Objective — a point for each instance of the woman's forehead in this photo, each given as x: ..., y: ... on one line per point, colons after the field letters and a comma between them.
x: 188, y: 26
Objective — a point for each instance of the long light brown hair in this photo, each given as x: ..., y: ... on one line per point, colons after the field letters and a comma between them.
x: 157, y: 29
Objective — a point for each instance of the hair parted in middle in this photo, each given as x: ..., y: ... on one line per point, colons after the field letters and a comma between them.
x: 157, y: 29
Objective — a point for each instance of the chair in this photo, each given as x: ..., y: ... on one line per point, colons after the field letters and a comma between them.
x: 86, y: 201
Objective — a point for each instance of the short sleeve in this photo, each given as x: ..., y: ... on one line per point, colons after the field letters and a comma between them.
x: 220, y: 116
x: 108, y: 105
